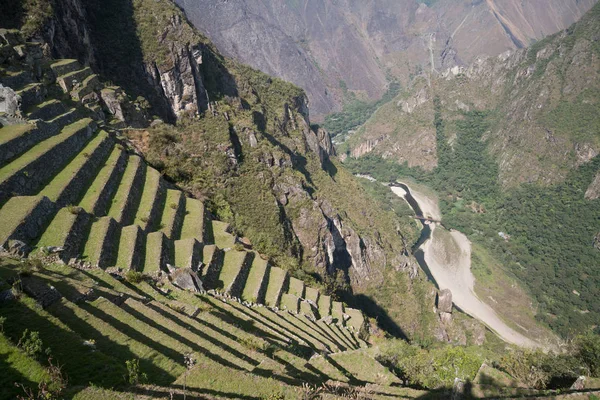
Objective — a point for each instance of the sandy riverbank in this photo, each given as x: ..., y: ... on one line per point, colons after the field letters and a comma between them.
x: 448, y: 257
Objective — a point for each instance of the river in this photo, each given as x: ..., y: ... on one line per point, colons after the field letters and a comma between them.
x: 445, y: 257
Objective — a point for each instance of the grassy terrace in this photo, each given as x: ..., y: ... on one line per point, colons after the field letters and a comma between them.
x: 65, y: 66
x: 58, y: 231
x: 151, y: 198
x: 364, y: 367
x: 16, y: 366
x: 172, y: 213
x: 43, y: 148
x: 187, y: 253
x: 324, y: 305
x: 124, y: 191
x: 55, y: 188
x: 337, y: 311
x: 258, y: 272
x: 277, y: 278
x: 222, y: 239
x: 10, y: 132
x: 290, y: 302
x: 232, y: 266
x: 100, y: 183
x: 193, y: 223
x: 96, y: 239
x: 312, y: 294
x: 130, y: 246
x: 296, y: 287
x: 14, y: 212
x: 155, y: 243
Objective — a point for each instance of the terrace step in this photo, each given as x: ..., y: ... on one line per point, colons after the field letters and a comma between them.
x: 278, y: 282
x: 48, y: 110
x: 363, y: 368
x: 105, y: 323
x: 188, y: 253
x: 99, y: 194
x: 307, y: 310
x: 152, y: 202
x: 337, y: 312
x: 131, y: 248
x: 290, y: 302
x: 312, y: 294
x: 310, y: 329
x: 212, y: 260
x: 24, y: 217
x: 290, y: 322
x: 128, y: 193
x: 357, y: 319
x: 65, y: 66
x: 173, y: 213
x: 258, y: 279
x: 195, y: 220
x: 296, y: 287
x: 66, y: 187
x: 324, y: 305
x: 71, y: 79
x: 158, y: 253
x: 32, y: 94
x: 236, y: 265
x: 200, y: 335
x: 222, y: 238
x: 67, y: 230
x: 15, y: 139
x: 62, y: 120
x: 16, y: 79
x: 89, y: 85
x: 34, y: 168
x: 100, y: 248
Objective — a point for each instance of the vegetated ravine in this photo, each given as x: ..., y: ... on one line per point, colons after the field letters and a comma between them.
x: 445, y: 256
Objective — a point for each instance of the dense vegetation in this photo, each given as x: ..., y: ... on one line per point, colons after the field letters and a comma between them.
x: 551, y: 228
x: 356, y: 111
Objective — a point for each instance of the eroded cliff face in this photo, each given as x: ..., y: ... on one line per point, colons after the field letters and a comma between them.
x: 542, y: 104
x: 318, y: 44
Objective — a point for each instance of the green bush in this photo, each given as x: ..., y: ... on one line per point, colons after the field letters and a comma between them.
x: 134, y: 375
x: 31, y: 343
x: 587, y: 350
x: 134, y: 276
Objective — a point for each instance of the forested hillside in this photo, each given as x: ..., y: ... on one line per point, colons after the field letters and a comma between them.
x: 514, y: 163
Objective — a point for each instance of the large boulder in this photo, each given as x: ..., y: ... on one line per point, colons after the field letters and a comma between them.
x: 444, y: 301
x: 9, y: 101
x: 187, y: 279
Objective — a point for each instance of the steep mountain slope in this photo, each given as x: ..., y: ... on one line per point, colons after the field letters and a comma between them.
x: 544, y: 101
x: 320, y: 44
x: 511, y: 143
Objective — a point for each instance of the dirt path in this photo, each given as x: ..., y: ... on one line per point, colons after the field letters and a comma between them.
x: 448, y: 256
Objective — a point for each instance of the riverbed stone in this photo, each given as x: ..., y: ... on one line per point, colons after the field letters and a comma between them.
x: 444, y: 301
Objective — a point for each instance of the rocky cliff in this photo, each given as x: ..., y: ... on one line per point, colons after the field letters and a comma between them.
x: 320, y: 44
x: 242, y: 141
x: 542, y: 102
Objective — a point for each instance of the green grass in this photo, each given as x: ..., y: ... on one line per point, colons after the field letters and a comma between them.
x: 96, y: 238
x: 17, y: 367
x: 364, y: 367
x: 324, y: 305
x: 337, y: 311
x: 276, y: 280
x: 58, y: 184
x: 296, y: 287
x: 154, y: 248
x: 93, y: 193
x: 14, y: 212
x: 10, y: 132
x: 150, y: 195
x: 223, y: 239
x: 127, y: 245
x: 42, y: 148
x: 289, y: 302
x: 193, y: 223
x: 255, y: 278
x: 134, y: 163
x: 356, y: 318
x: 232, y: 265
x: 171, y: 213
x: 58, y: 230
x: 311, y: 294
x: 184, y: 250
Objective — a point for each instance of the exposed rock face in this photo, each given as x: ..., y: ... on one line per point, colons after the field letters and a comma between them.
x: 593, y: 191
x: 186, y: 279
x: 444, y: 301
x: 9, y: 101
x: 317, y: 44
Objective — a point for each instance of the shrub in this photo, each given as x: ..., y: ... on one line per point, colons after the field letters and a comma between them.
x: 134, y: 375
x: 2, y: 321
x: 134, y: 276
x: 587, y: 350
x: 527, y: 367
x: 74, y: 209
x: 31, y: 343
